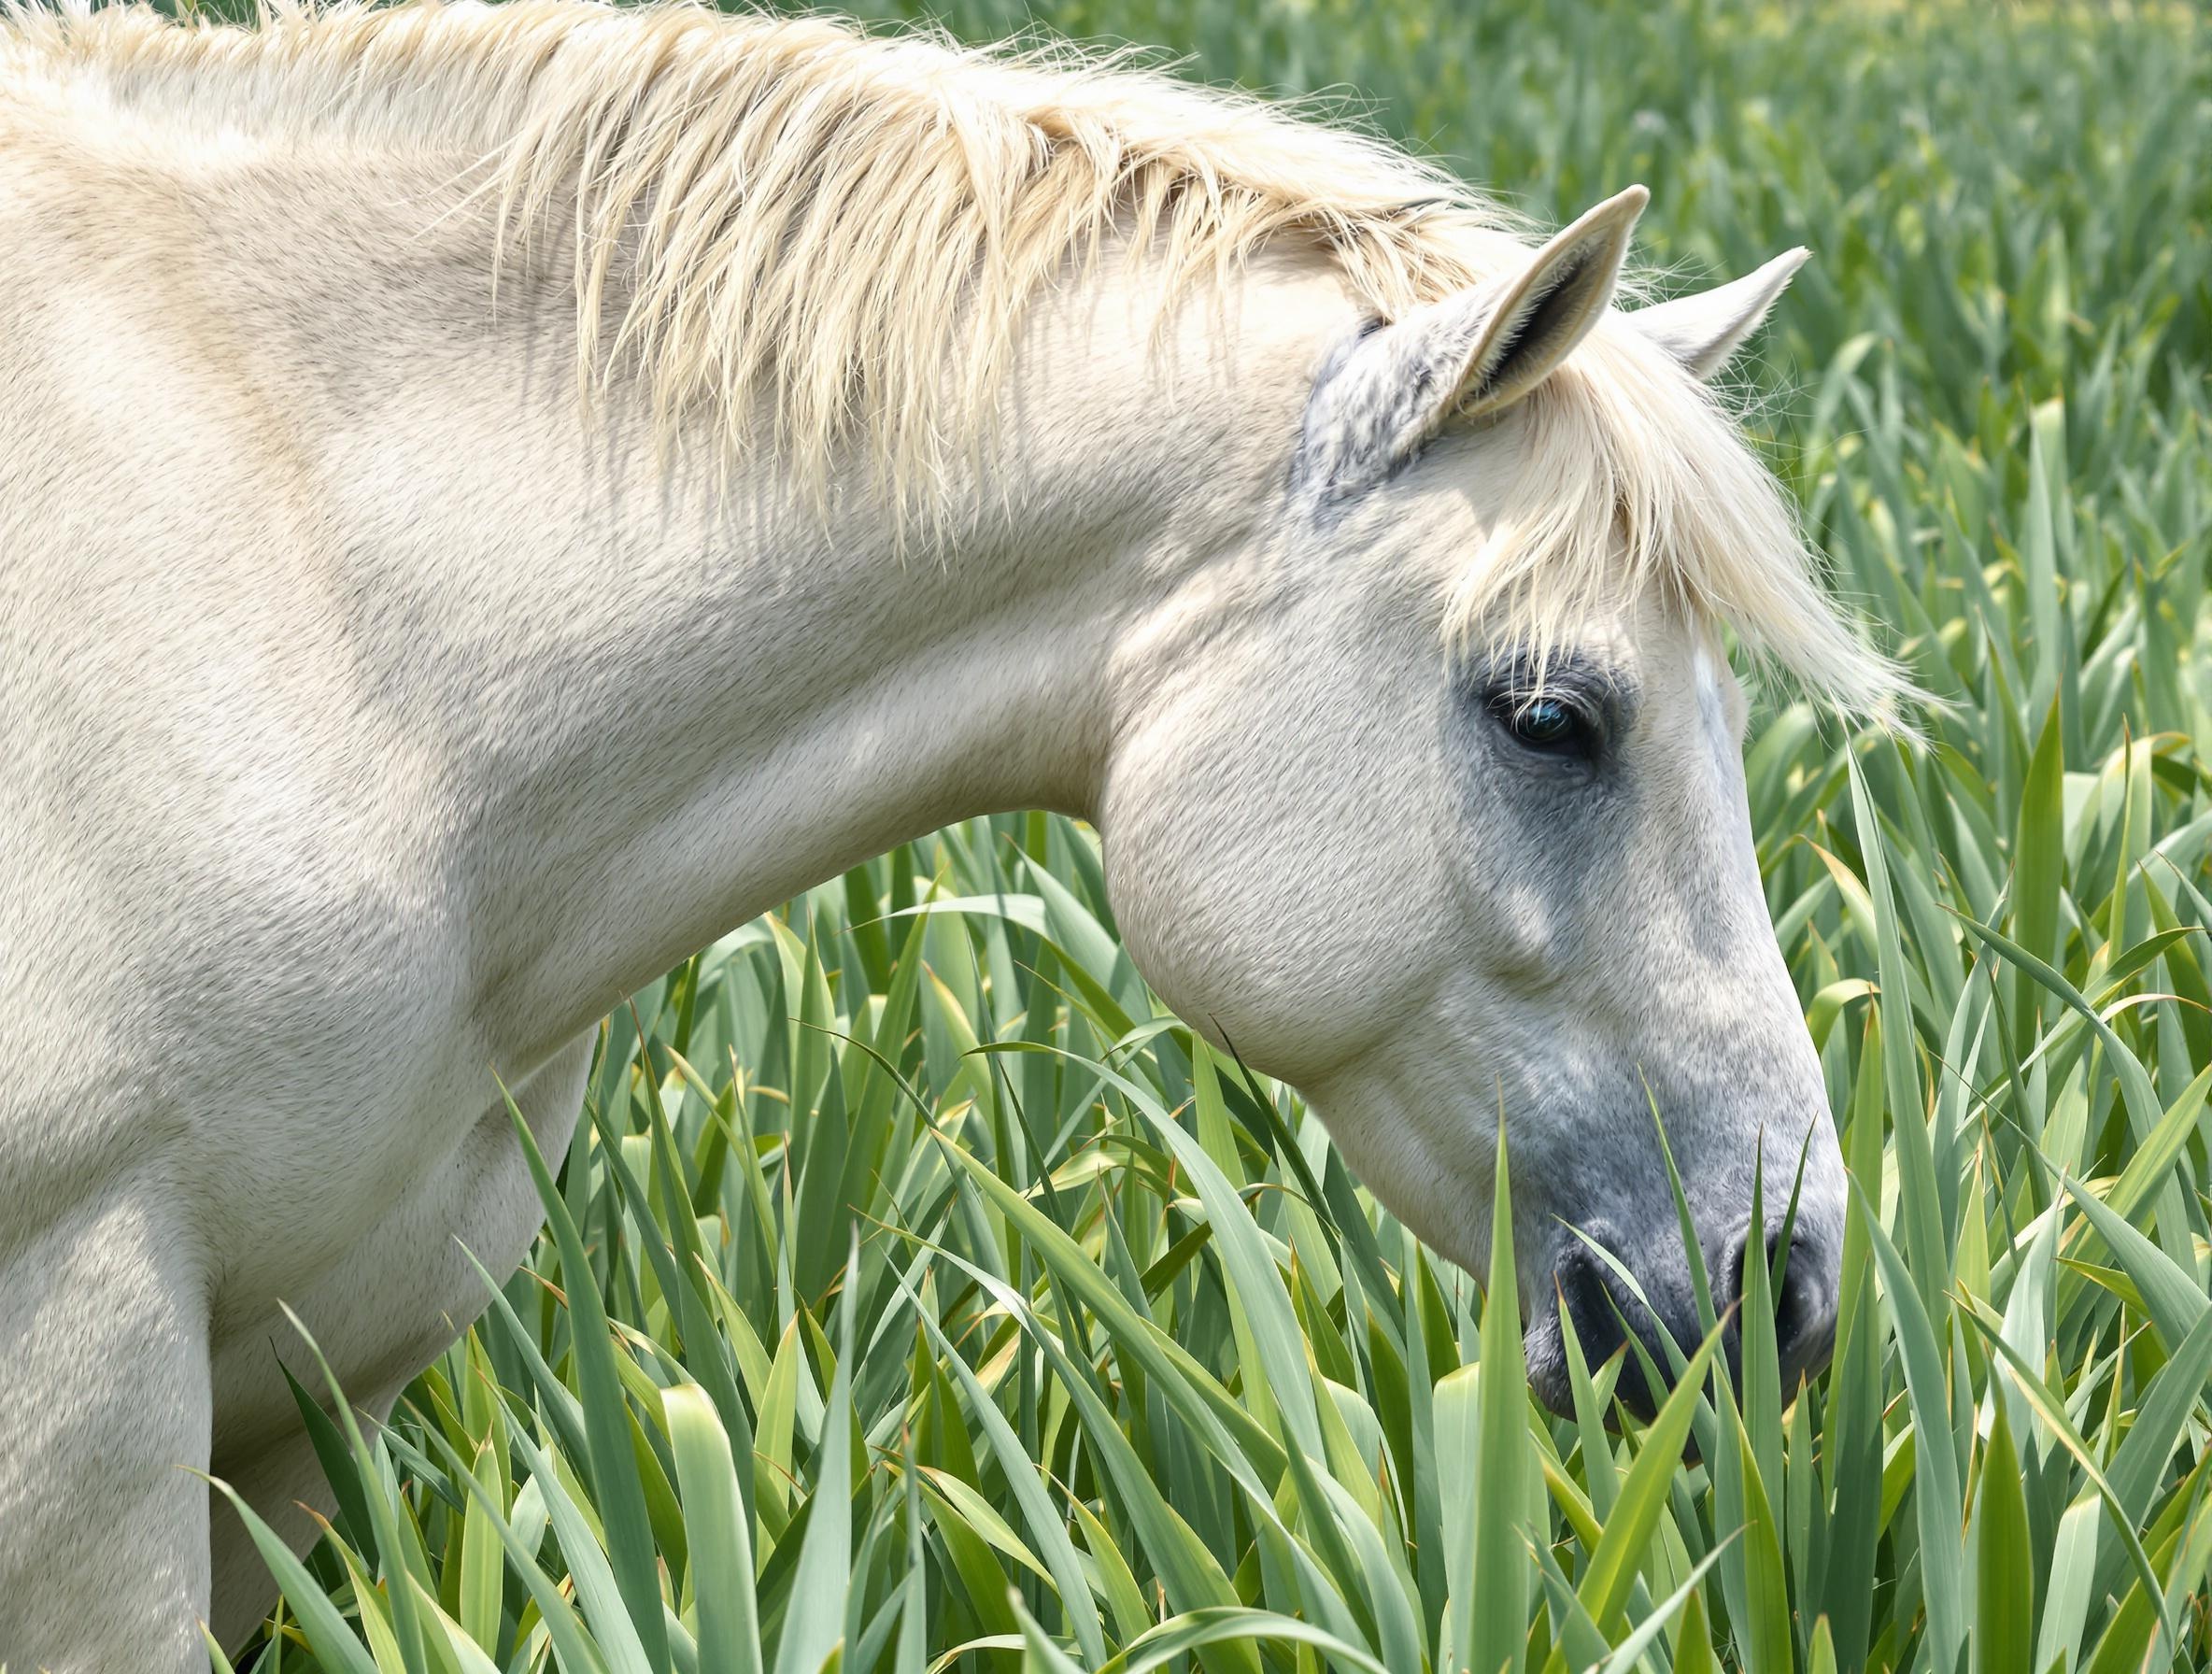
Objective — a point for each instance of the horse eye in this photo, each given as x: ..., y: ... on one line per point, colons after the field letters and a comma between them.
x: 1547, y: 724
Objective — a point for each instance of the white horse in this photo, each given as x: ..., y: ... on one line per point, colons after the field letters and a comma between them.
x: 420, y: 429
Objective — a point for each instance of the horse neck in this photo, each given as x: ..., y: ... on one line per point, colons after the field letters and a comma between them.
x: 668, y: 693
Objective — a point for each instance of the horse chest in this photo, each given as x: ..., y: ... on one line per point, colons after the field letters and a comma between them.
x: 405, y: 1282
x: 314, y: 1035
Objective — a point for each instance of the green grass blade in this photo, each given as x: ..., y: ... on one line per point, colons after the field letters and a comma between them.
x: 720, y: 1532
x: 620, y: 1492
x: 1505, y: 1474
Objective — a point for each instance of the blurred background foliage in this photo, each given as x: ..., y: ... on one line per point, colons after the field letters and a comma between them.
x: 919, y: 1295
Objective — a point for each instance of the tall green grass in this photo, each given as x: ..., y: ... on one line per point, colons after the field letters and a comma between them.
x: 918, y: 1296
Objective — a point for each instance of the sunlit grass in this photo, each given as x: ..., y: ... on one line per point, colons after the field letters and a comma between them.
x: 917, y: 1295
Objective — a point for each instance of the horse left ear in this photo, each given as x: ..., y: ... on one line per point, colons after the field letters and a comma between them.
x: 1703, y: 331
x: 1468, y: 355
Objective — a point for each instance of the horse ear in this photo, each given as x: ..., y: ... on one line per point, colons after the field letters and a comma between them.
x: 1472, y: 354
x: 1522, y: 333
x: 1703, y: 331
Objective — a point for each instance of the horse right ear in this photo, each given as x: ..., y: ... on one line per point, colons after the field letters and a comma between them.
x: 1703, y: 331
x: 1465, y: 357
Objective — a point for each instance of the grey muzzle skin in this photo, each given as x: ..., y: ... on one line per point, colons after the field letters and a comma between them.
x: 1604, y: 1310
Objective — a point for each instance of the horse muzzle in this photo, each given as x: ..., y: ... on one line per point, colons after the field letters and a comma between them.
x: 1600, y: 1303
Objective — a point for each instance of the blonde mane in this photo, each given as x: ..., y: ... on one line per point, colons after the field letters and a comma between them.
x: 840, y: 220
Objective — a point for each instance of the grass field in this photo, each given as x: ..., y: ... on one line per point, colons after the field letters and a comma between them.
x: 1128, y: 1372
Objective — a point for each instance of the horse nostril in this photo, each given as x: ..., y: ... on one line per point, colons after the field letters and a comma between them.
x: 1603, y: 1313
x: 1805, y: 1310
x: 1589, y: 1306
x: 1804, y: 1303
x: 1582, y: 1310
